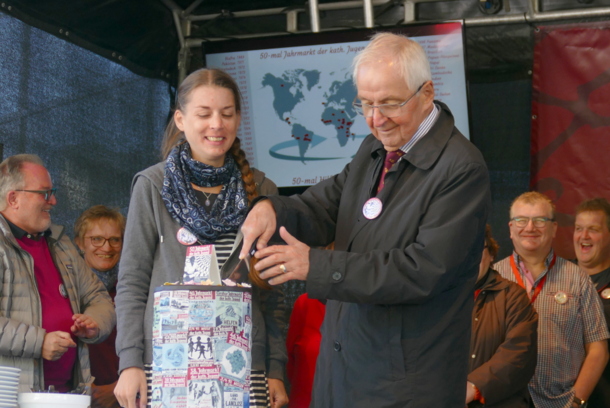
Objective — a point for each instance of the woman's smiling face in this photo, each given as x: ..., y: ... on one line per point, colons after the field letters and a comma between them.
x: 105, y: 257
x: 209, y: 121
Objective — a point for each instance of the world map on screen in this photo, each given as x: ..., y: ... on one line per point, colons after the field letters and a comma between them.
x: 296, y: 87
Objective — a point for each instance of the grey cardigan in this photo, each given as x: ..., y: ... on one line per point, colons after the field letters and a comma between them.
x: 152, y: 256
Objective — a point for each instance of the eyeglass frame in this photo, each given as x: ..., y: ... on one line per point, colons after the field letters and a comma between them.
x: 358, y: 106
x: 120, y: 243
x: 47, y: 193
x: 541, y: 220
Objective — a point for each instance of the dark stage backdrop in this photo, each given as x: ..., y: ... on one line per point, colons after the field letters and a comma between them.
x: 571, y: 119
x: 93, y: 122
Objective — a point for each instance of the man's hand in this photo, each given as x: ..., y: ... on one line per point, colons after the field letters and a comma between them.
x: 84, y: 326
x: 260, y: 223
x: 55, y: 344
x: 284, y: 262
x: 102, y: 396
x: 131, y: 382
x: 596, y: 358
x: 277, y: 393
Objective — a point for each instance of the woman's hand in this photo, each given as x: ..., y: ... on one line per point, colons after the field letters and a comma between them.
x: 470, y: 392
x: 277, y: 393
x: 131, y: 382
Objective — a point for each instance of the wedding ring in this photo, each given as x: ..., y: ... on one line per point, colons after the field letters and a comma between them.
x: 282, y: 268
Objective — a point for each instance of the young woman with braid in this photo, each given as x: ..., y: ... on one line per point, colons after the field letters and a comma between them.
x: 204, y: 186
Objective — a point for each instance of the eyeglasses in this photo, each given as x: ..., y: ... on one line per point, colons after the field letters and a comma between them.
x: 114, y: 242
x: 47, y: 193
x: 539, y: 222
x: 389, y: 110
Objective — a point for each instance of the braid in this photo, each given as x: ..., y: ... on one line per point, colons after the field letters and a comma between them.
x: 246, y: 172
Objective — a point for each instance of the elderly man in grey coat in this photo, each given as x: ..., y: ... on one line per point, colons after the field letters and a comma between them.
x: 51, y: 303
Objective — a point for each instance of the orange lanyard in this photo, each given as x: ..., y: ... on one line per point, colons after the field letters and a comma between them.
x: 538, y: 287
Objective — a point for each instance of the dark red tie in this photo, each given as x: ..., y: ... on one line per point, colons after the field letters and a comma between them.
x: 390, y: 159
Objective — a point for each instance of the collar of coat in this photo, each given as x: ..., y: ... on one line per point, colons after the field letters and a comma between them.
x: 54, y: 233
x: 429, y: 148
x: 492, y: 281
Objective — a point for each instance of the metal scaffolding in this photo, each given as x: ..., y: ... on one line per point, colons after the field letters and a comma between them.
x: 184, y: 18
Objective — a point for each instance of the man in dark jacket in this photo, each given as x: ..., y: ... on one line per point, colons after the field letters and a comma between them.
x: 407, y: 216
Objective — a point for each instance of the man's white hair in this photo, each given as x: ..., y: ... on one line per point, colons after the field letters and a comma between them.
x: 11, y: 176
x: 409, y: 56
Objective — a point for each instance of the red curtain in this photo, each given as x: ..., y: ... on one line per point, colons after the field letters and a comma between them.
x: 570, y: 147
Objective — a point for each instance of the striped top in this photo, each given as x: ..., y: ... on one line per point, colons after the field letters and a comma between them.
x: 223, y: 247
x: 570, y: 316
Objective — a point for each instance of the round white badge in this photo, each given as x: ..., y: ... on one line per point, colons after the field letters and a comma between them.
x: 185, y: 237
x: 372, y: 208
x: 561, y: 297
x: 606, y: 293
x: 62, y: 291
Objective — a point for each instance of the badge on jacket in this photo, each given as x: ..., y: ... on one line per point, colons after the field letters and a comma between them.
x: 185, y: 237
x: 372, y: 208
x: 62, y: 291
x: 561, y: 297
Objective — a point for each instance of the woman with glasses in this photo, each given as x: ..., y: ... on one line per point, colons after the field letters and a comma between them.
x: 198, y: 196
x: 503, y: 346
x: 98, y: 233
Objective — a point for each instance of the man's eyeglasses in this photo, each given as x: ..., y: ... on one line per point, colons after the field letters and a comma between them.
x: 114, y: 242
x: 539, y: 222
x: 46, y: 193
x: 389, y: 110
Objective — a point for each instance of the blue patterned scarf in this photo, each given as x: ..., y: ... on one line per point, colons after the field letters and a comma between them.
x: 109, y: 277
x: 229, y: 208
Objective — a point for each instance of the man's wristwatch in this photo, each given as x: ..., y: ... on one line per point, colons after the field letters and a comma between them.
x: 579, y: 402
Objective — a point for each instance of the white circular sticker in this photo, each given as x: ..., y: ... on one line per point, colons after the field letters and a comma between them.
x: 372, y: 208
x: 185, y: 237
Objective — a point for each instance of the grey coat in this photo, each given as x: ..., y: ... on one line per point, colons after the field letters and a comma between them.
x: 152, y: 256
x: 21, y: 334
x: 399, y: 287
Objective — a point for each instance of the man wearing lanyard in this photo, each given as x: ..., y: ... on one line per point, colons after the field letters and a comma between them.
x: 51, y: 303
x: 592, y: 248
x: 407, y: 216
x: 572, y: 332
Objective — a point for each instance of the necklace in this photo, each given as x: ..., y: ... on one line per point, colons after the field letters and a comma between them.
x: 207, y: 198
